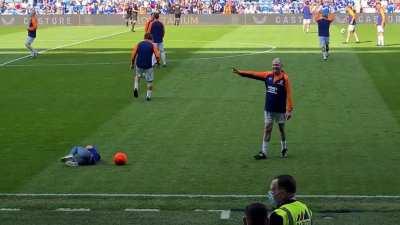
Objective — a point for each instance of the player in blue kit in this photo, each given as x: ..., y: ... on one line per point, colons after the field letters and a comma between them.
x: 157, y: 30
x: 324, y: 19
x: 142, y: 64
x: 307, y: 16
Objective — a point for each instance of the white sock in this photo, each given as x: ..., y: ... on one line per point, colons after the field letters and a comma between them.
x: 136, y: 85
x: 264, y: 147
x: 382, y: 41
x: 283, y: 145
x: 163, y: 58
x: 148, y: 94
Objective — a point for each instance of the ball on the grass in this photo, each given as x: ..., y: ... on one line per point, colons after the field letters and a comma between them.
x: 120, y: 158
x: 342, y: 30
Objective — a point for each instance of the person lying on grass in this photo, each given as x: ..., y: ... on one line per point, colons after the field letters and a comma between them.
x: 79, y: 156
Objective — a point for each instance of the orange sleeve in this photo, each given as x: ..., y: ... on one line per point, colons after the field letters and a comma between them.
x: 331, y: 17
x: 317, y: 17
x: 289, y: 100
x: 133, y: 55
x: 254, y: 74
x: 147, y: 26
x: 156, y: 52
x: 34, y: 24
x: 383, y: 17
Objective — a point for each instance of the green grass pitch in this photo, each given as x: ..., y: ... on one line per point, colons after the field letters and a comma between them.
x: 204, y: 124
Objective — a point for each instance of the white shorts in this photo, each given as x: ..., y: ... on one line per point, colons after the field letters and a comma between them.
x: 29, y: 40
x: 270, y: 117
x: 380, y: 29
x: 160, y: 47
x: 153, y: 60
x: 147, y: 74
x: 351, y: 28
x: 306, y: 21
x: 323, y: 41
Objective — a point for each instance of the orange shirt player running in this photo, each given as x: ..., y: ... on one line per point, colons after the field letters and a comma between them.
x: 33, y: 25
x: 148, y: 23
x: 278, y: 103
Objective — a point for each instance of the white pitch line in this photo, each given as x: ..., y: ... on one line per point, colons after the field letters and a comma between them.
x: 65, y: 46
x: 225, y: 214
x: 171, y: 60
x: 189, y: 195
x: 142, y: 210
x: 9, y: 209
x: 72, y: 210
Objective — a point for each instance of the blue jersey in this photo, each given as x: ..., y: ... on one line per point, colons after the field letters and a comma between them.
x: 142, y: 54
x: 94, y: 156
x: 352, y: 13
x: 380, y: 17
x: 157, y: 31
x: 275, y: 100
x: 323, y: 27
x: 306, y: 12
x: 278, y: 92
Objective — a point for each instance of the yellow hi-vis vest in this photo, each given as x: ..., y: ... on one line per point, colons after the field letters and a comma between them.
x: 295, y: 213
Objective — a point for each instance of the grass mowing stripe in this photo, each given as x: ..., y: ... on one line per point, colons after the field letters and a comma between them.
x: 169, y: 60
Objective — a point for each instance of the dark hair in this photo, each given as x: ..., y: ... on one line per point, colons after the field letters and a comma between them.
x: 257, y: 213
x: 148, y: 36
x: 156, y: 15
x: 287, y: 183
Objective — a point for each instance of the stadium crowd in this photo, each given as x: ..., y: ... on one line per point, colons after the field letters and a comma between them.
x: 16, y: 7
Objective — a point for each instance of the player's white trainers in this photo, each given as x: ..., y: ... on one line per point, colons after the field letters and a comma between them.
x: 284, y: 153
x: 34, y: 54
x: 71, y: 163
x: 66, y: 158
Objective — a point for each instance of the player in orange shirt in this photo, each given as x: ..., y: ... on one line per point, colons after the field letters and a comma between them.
x: 33, y: 25
x: 148, y: 23
x: 380, y: 23
x: 278, y: 103
x: 352, y: 23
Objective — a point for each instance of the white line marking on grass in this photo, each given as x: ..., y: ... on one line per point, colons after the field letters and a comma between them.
x: 142, y: 210
x: 225, y: 214
x: 9, y: 209
x: 72, y: 210
x: 190, y: 195
x: 127, y: 63
x: 65, y: 46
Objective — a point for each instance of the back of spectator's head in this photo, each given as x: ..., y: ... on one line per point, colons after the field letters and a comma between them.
x: 256, y: 214
x: 286, y: 183
x: 148, y: 36
x: 156, y: 16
